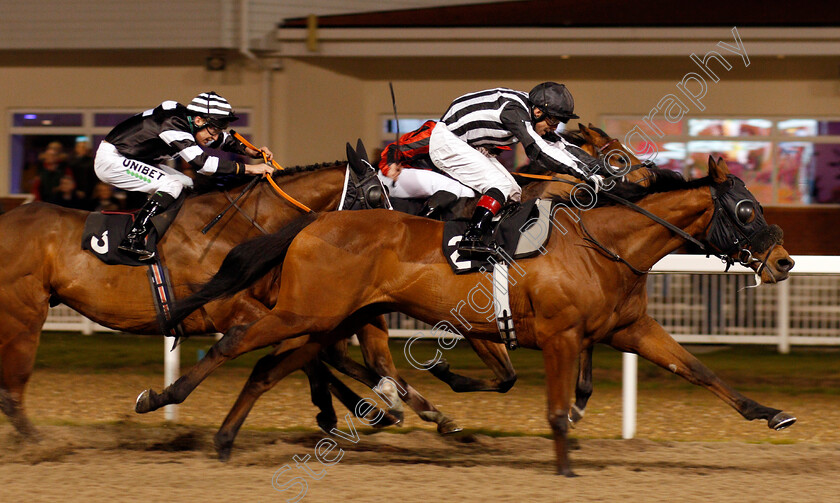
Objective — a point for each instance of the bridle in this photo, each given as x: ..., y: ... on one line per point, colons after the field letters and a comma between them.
x: 739, y: 245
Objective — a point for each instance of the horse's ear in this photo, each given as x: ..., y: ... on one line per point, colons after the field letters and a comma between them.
x: 718, y: 170
x: 352, y: 156
x: 360, y: 149
x: 581, y: 127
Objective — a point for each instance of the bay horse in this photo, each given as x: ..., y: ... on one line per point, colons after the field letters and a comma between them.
x: 338, y: 269
x: 45, y: 265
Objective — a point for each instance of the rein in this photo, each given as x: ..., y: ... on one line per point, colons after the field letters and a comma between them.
x: 248, y: 188
x: 638, y: 209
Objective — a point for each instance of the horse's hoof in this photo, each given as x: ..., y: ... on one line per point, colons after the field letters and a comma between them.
x: 326, y: 422
x: 448, y: 427
x: 566, y: 472
x: 398, y: 415
x: 441, y: 368
x: 781, y: 421
x: 223, y: 449
x: 575, y: 415
x: 143, y: 403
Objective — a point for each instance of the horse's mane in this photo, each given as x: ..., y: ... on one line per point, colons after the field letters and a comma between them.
x: 205, y: 184
x: 573, y: 137
x: 661, y: 180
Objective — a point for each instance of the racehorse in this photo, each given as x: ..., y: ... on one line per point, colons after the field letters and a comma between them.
x: 337, y: 269
x: 45, y: 266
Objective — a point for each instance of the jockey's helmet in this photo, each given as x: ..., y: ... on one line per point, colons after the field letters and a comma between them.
x: 554, y: 100
x: 213, y: 108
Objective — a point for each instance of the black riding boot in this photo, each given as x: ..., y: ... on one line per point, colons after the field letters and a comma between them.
x: 477, y: 243
x: 438, y: 204
x: 134, y: 242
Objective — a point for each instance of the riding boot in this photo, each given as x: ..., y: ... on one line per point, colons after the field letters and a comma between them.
x: 438, y: 204
x: 134, y: 242
x: 477, y: 242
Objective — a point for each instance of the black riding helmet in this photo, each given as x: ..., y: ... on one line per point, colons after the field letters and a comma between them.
x: 554, y: 100
x: 213, y: 108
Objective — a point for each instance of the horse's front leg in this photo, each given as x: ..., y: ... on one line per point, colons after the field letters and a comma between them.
x: 494, y: 355
x: 267, y: 372
x: 559, y: 353
x: 647, y: 338
x: 270, y: 329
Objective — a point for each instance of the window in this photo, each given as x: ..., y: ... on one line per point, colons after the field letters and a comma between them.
x: 782, y: 161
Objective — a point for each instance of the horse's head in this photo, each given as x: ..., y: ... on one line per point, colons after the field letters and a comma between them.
x: 739, y: 231
x: 363, y: 190
x: 613, y: 153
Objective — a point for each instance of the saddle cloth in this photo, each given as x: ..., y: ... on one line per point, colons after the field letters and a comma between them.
x: 519, y: 234
x: 104, y: 231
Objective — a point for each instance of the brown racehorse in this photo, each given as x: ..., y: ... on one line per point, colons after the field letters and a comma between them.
x: 45, y: 265
x: 590, y: 286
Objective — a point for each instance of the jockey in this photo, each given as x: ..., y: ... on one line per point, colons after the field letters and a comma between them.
x: 130, y: 157
x: 462, y: 143
x: 412, y: 151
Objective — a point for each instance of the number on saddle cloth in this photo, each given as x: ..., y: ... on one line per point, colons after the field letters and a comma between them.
x: 104, y: 231
x: 520, y: 233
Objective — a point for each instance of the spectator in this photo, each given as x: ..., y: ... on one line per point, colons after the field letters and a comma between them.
x: 103, y: 198
x: 66, y: 194
x: 82, y: 168
x: 51, y: 168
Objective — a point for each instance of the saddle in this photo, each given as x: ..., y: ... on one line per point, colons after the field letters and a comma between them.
x: 520, y: 231
x: 105, y: 230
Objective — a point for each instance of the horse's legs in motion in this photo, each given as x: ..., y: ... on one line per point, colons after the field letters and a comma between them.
x: 322, y: 382
x: 17, y: 359
x: 494, y: 355
x: 270, y: 329
x: 583, y: 387
x: 338, y: 356
x: 647, y: 338
x: 374, y: 344
x: 559, y: 352
x: 267, y: 372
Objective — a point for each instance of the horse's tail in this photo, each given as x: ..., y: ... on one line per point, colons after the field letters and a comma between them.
x: 243, y: 266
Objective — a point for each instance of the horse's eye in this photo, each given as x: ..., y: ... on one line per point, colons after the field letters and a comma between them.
x: 745, y: 211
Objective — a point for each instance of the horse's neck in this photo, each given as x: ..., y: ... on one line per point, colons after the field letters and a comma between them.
x: 642, y: 241
x: 319, y: 190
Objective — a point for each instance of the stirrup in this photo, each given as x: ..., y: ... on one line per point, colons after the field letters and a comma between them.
x: 475, y: 249
x: 136, y: 249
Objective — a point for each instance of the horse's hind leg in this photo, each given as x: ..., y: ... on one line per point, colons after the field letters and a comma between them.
x: 374, y: 344
x: 322, y: 382
x: 17, y: 359
x: 494, y: 355
x: 268, y: 371
x: 583, y: 387
x: 647, y: 338
x: 338, y: 356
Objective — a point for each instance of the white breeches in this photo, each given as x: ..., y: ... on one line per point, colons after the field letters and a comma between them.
x: 127, y: 174
x: 469, y: 166
x: 422, y: 183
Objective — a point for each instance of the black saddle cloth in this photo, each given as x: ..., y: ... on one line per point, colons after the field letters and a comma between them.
x: 104, y: 231
x: 507, y: 234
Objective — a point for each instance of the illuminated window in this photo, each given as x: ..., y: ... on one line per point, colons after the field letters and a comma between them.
x: 782, y: 161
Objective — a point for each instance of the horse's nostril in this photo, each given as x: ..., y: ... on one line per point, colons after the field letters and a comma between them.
x: 784, y: 264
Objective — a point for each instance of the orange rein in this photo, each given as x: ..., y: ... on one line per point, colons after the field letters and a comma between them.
x: 268, y: 177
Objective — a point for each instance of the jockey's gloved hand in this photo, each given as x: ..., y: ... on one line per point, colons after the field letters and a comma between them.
x: 597, y: 182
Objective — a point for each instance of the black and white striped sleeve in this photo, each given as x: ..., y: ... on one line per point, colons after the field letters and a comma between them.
x: 183, y: 143
x: 553, y: 156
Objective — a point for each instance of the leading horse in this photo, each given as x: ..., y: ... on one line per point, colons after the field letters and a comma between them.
x: 589, y: 286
